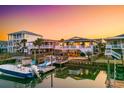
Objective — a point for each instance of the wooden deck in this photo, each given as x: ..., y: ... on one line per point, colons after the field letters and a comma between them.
x: 118, y: 84
x: 81, y: 58
x: 71, y: 58
x: 46, y: 69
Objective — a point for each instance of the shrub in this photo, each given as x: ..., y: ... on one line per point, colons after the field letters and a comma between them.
x: 8, y: 61
x: 82, y: 54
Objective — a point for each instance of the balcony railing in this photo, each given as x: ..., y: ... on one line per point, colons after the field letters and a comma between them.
x: 72, y: 47
x: 42, y: 46
x: 47, y: 46
x: 115, y: 46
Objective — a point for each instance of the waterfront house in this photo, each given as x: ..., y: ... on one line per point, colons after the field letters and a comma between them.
x: 115, y: 46
x: 3, y: 46
x: 77, y: 45
x: 47, y: 46
x: 16, y: 37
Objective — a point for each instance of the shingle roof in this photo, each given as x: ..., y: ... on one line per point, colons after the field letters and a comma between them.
x: 122, y: 35
x: 116, y: 37
x: 26, y: 32
x: 77, y: 39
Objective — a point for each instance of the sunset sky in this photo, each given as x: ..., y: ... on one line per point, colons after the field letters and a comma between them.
x: 56, y: 22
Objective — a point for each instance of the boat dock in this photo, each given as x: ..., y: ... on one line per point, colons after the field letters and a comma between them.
x: 46, y: 69
x: 78, y: 58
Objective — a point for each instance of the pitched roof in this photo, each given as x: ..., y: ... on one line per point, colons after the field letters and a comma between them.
x: 77, y: 39
x: 121, y: 36
x: 26, y: 32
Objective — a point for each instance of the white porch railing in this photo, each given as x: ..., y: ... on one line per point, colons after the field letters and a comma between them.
x: 113, y: 53
x: 81, y: 48
x: 117, y: 55
x: 43, y: 46
x: 115, y: 46
x: 47, y: 46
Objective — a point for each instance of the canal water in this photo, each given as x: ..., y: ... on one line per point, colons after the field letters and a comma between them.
x: 65, y: 77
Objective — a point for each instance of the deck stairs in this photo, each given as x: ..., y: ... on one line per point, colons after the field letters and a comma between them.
x: 114, y: 54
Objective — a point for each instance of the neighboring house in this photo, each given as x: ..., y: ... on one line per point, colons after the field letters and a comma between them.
x: 16, y: 37
x: 76, y: 45
x: 115, y: 47
x: 3, y: 46
x: 47, y: 46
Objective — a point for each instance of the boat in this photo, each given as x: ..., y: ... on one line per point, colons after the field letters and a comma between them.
x: 16, y: 71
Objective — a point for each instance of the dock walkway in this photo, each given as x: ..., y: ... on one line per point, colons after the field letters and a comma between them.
x: 81, y: 58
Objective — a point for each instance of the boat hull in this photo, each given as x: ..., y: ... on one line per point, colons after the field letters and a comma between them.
x: 16, y: 74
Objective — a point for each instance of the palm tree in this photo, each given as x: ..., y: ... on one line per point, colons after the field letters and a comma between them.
x: 62, y: 40
x: 101, y: 47
x: 38, y: 43
x: 23, y: 42
x: 17, y: 46
x: 89, y: 54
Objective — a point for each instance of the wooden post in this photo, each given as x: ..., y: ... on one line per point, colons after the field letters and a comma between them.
x: 35, y: 55
x: 122, y: 57
x: 114, y: 71
x: 51, y: 80
x: 51, y: 60
x: 108, y: 74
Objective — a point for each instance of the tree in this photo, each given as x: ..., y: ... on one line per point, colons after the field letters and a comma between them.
x: 17, y: 46
x: 101, y: 47
x: 38, y: 43
x: 62, y: 41
x: 23, y: 42
x: 89, y: 54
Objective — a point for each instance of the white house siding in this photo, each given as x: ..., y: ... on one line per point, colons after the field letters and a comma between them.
x: 13, y: 38
x: 31, y: 38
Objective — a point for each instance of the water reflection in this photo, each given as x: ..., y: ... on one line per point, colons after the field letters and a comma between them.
x: 8, y: 82
x: 77, y: 73
x: 67, y: 77
x: 115, y: 74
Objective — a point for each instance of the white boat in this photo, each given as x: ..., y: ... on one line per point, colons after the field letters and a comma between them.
x: 16, y: 71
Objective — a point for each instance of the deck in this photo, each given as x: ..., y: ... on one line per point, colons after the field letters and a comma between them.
x: 81, y: 58
x: 118, y: 84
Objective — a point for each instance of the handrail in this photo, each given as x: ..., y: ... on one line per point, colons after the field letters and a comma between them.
x: 115, y: 46
x: 117, y: 55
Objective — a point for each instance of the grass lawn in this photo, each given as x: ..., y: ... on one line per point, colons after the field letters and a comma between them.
x: 104, y: 60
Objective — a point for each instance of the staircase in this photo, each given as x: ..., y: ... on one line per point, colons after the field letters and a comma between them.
x: 82, y: 50
x: 113, y: 54
x: 116, y: 55
x: 85, y: 50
